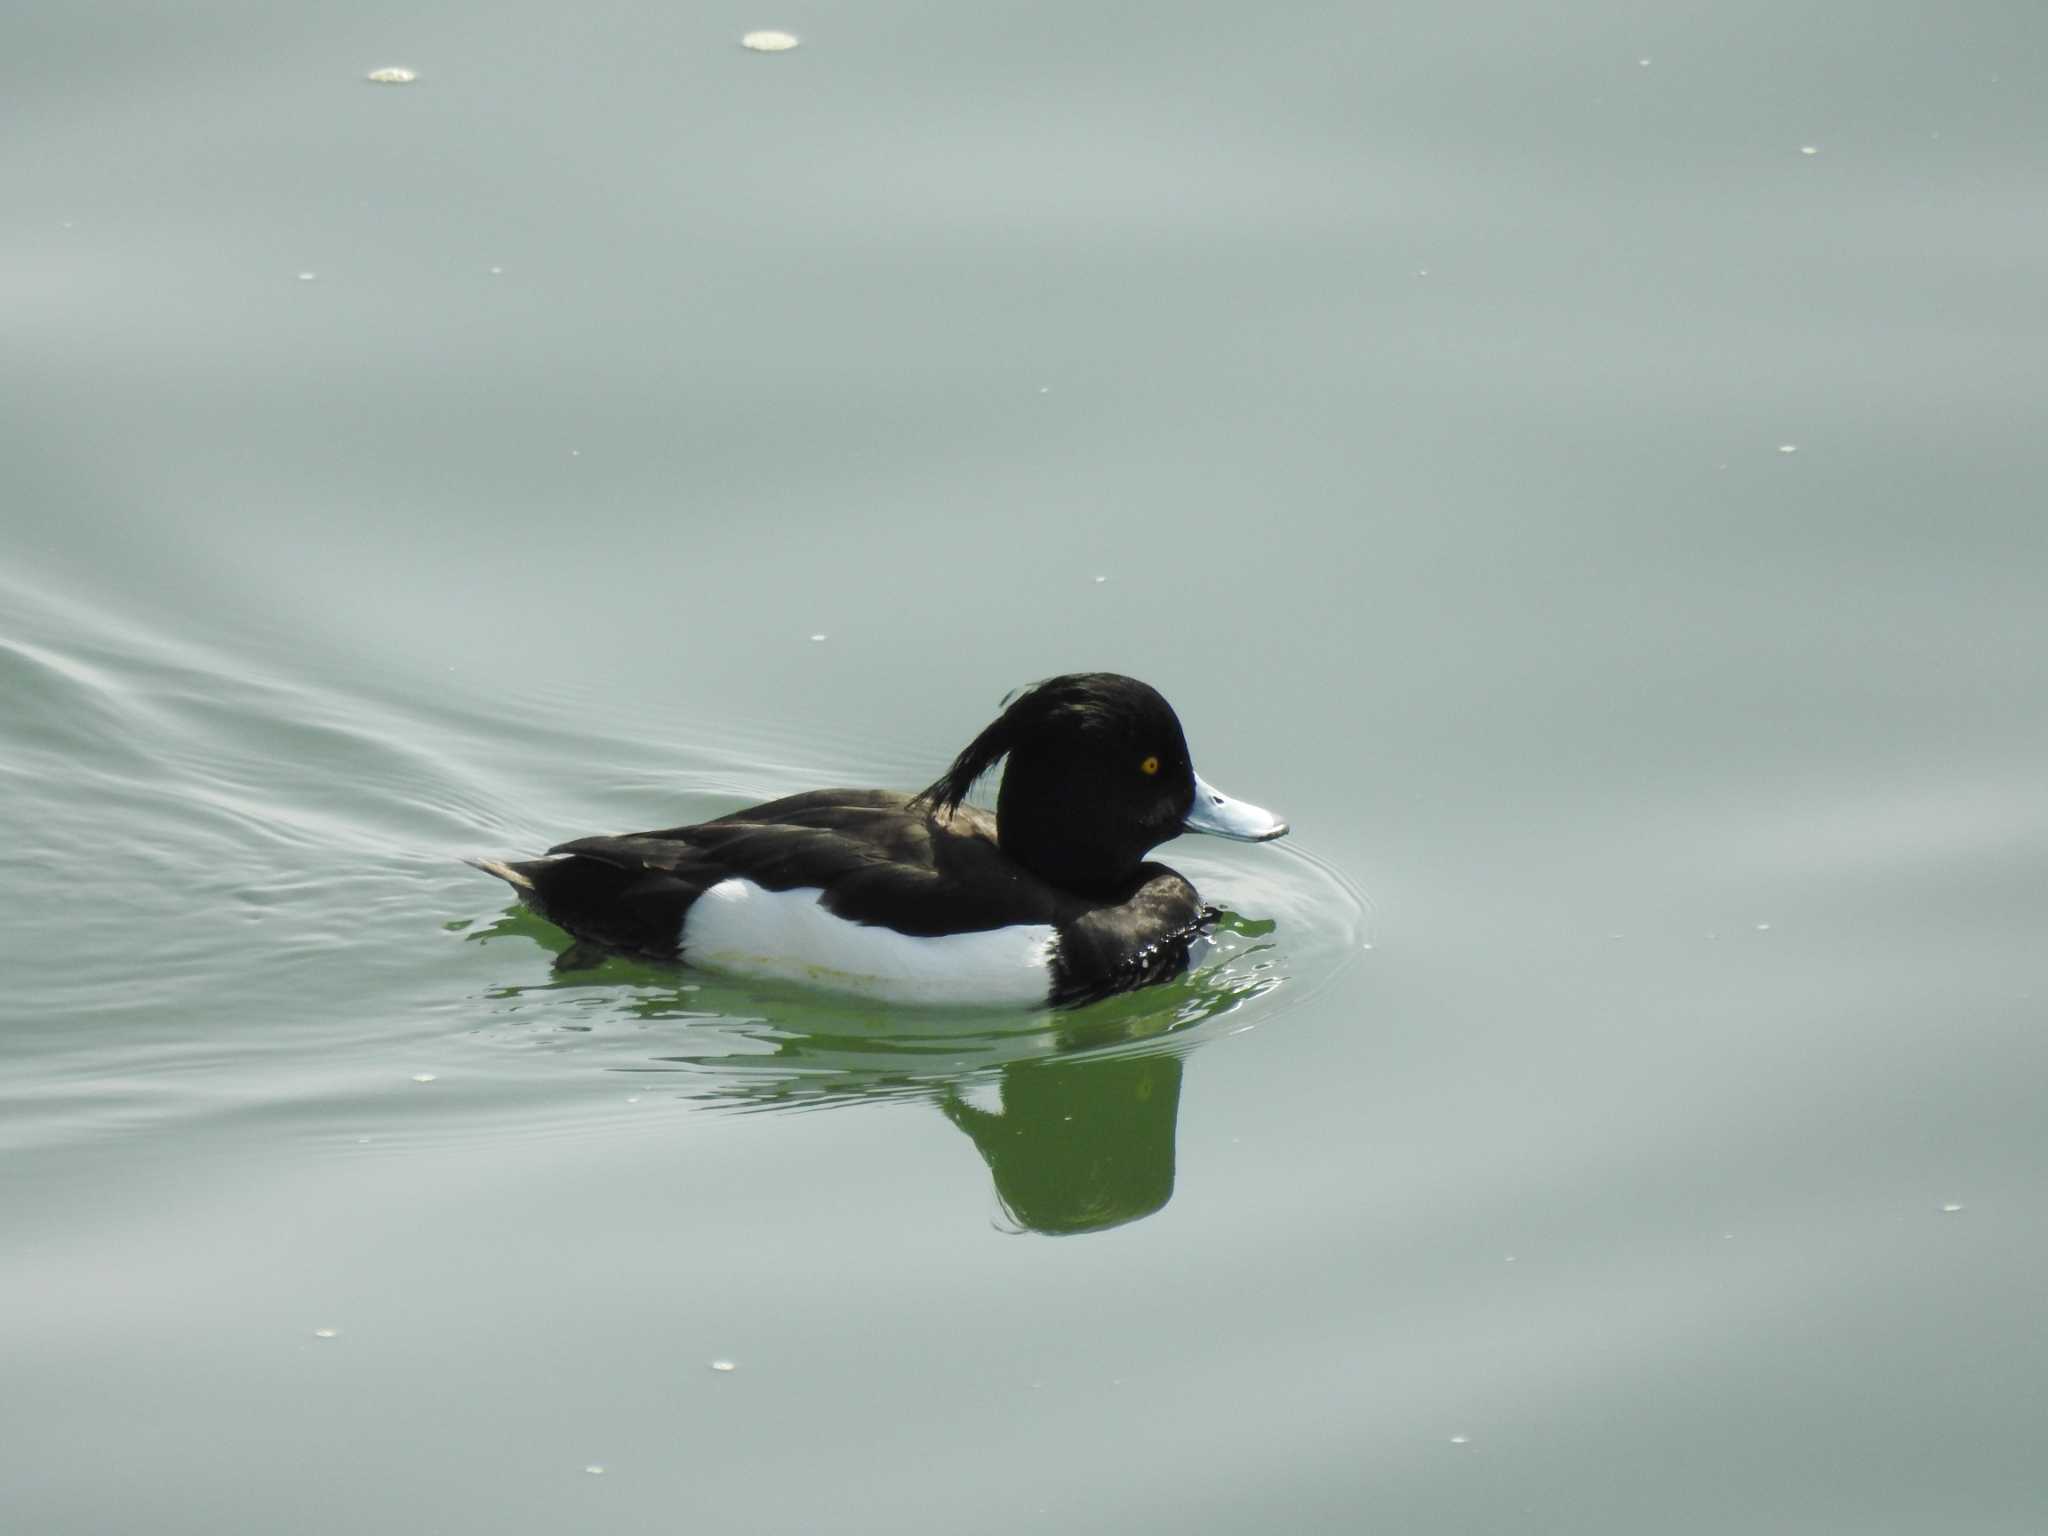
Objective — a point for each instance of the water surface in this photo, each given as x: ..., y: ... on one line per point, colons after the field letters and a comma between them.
x: 1607, y: 531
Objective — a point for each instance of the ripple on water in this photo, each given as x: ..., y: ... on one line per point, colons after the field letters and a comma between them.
x: 240, y: 869
x: 1290, y: 926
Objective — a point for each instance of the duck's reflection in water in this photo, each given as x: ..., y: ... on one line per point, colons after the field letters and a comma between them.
x: 1079, y: 1145
x: 1074, y: 1112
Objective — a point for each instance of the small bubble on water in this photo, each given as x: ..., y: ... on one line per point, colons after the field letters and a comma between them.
x: 632, y: 1098
x: 423, y: 1077
x: 1099, y: 580
x: 497, y: 271
x: 1461, y: 1439
x: 769, y: 42
x: 723, y: 1365
x: 1642, y: 63
x: 1788, y: 447
x: 1809, y: 149
x: 326, y: 1333
x: 816, y: 638
x: 309, y: 277
x: 1763, y: 927
x: 394, y: 74
x: 1952, y: 1209
x: 595, y: 1469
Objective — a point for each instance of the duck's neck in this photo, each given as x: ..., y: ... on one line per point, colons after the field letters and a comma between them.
x: 1070, y: 846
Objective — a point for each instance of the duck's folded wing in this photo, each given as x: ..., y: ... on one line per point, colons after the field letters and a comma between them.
x: 633, y: 892
x: 887, y: 871
x: 775, y: 856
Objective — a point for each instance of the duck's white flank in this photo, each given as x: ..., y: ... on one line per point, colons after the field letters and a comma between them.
x: 739, y: 928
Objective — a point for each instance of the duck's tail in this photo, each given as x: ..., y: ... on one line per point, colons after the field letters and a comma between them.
x: 621, y: 902
x: 512, y: 874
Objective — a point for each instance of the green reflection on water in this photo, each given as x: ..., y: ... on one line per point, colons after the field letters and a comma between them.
x: 1086, y: 1101
x: 1079, y: 1145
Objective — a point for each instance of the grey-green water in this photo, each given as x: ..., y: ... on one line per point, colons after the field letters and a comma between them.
x: 1560, y: 1138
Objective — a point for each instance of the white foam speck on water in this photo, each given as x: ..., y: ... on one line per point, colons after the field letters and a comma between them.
x: 1100, y: 580
x: 1461, y: 1439
x: 326, y: 1333
x: 1763, y: 927
x: 1788, y: 447
x: 1642, y: 63
x: 769, y: 42
x: 423, y: 1077
x: 308, y: 277
x: 594, y: 1470
x: 394, y: 74
x: 497, y: 271
x: 1952, y: 1209
x: 1809, y: 149
x: 723, y: 1365
x: 816, y: 638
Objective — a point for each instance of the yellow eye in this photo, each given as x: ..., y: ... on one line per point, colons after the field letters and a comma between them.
x: 1150, y: 765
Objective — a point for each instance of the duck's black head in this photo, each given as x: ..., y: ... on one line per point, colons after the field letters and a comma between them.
x: 1098, y: 776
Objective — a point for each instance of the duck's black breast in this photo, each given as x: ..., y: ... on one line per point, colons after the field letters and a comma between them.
x: 1132, y: 940
x: 875, y: 861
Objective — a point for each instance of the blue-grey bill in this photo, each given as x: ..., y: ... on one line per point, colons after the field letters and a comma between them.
x: 1220, y: 816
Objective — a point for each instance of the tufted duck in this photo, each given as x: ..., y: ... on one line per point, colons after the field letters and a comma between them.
x: 923, y: 898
